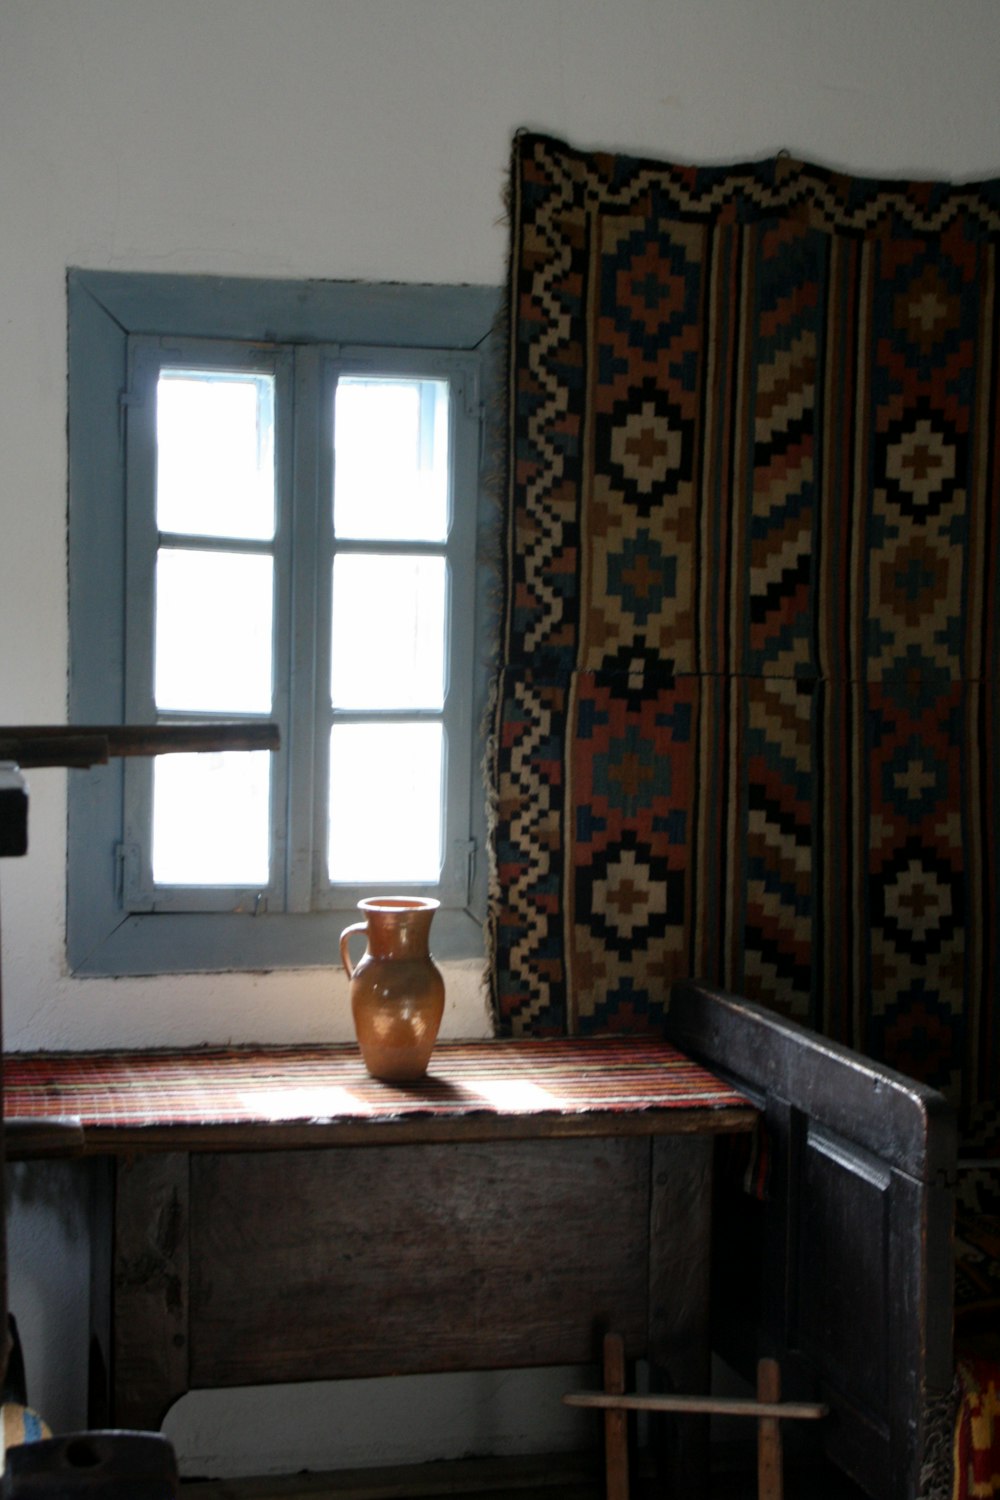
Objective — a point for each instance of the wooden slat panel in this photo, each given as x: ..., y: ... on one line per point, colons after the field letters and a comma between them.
x: 844, y: 1300
x: 680, y: 1268
x: 101, y: 1176
x: 391, y: 1260
x: 150, y: 1309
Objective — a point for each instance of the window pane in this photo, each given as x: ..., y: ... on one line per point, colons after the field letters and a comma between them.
x: 213, y: 631
x: 211, y: 818
x: 388, y: 631
x: 215, y: 453
x: 386, y: 800
x: 391, y: 459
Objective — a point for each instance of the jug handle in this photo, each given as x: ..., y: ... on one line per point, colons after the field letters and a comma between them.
x: 345, y: 957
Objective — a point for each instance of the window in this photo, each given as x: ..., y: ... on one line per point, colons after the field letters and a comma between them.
x: 275, y: 513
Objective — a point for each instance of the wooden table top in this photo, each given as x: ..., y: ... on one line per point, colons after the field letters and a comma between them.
x: 259, y: 1097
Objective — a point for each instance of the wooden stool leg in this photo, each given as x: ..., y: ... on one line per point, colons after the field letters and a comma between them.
x: 615, y: 1421
x: 769, y: 1467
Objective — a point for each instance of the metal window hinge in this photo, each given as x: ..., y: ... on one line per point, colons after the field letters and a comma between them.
x: 469, y: 849
x: 469, y: 395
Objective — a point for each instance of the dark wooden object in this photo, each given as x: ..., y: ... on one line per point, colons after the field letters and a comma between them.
x: 842, y: 1272
x: 91, y: 1466
x: 80, y: 746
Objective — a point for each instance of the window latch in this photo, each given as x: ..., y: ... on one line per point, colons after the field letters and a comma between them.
x: 126, y: 399
x: 131, y: 893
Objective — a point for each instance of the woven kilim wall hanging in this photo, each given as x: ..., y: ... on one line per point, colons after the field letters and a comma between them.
x: 746, y: 719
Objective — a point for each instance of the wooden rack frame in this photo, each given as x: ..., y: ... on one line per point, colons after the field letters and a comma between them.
x: 28, y: 746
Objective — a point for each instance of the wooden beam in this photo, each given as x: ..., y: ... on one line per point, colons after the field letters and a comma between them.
x: 33, y: 745
x: 730, y: 1406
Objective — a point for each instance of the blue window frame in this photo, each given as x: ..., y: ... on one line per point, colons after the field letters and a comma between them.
x: 296, y: 348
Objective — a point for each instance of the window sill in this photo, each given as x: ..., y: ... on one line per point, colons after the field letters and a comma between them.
x: 163, y: 943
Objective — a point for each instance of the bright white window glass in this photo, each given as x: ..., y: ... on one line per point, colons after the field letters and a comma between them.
x: 213, y: 631
x: 211, y: 823
x: 215, y: 454
x: 391, y: 459
x: 386, y: 803
x: 388, y: 631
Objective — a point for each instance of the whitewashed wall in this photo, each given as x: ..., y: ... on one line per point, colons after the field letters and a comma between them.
x: 344, y: 139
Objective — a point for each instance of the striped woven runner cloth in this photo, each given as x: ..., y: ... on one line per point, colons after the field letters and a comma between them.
x: 236, y: 1085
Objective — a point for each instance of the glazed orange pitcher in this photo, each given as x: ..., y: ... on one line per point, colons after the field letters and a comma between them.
x: 397, y: 992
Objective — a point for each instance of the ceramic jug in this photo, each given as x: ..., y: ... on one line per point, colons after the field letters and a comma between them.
x: 397, y: 992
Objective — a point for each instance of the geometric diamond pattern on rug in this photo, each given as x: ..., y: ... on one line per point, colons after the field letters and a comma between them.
x: 626, y: 896
x: 920, y: 460
x: 917, y: 901
x: 645, y: 447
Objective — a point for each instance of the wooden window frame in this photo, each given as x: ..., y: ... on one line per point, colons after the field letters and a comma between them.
x: 114, y: 925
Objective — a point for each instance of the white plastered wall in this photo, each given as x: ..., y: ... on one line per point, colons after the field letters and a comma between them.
x: 345, y: 139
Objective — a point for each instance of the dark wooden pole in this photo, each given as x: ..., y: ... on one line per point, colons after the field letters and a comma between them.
x: 615, y: 1421
x: 81, y: 745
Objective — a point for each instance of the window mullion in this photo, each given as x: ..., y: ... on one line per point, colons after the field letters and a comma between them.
x: 461, y: 554
x: 284, y: 627
x: 322, y: 709
x: 307, y: 585
x: 139, y: 413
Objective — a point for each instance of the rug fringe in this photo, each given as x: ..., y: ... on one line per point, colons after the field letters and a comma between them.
x: 937, y: 1469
